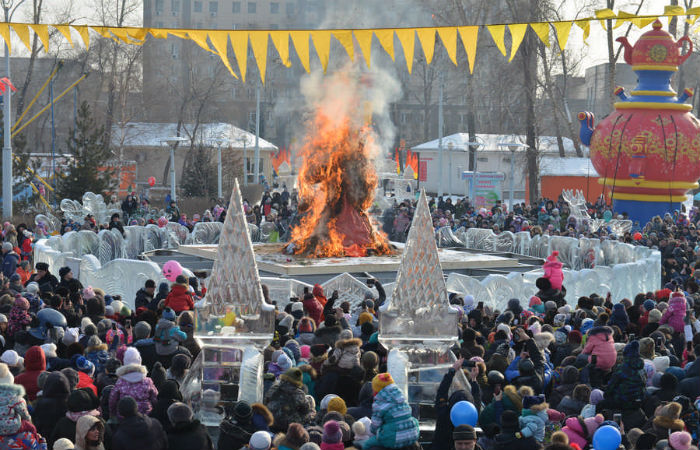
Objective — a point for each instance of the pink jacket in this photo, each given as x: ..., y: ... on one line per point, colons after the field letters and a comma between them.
x: 552, y: 270
x: 576, y: 433
x: 601, y: 344
x: 675, y: 314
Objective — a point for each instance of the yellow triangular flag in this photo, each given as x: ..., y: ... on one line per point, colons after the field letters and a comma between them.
x: 345, y: 39
x: 542, y: 30
x: 642, y: 22
x: 470, y: 36
x: 258, y: 41
x: 158, y: 33
x: 364, y: 40
x: 103, y: 31
x: 178, y: 33
x: 693, y: 14
x: 219, y: 39
x: 281, y: 41
x: 239, y: 42
x: 84, y: 33
x: 670, y: 10
x: 563, y: 30
x: 386, y: 39
x: 426, y: 36
x: 200, y: 38
x: 448, y: 36
x: 322, y: 42
x: 22, y: 31
x: 300, y: 39
x: 138, y: 34
x: 604, y: 14
x: 585, y: 26
x: 622, y: 18
x: 121, y: 33
x: 498, y: 33
x: 5, y: 33
x: 408, y: 41
x: 65, y: 31
x: 43, y: 32
x: 517, y: 34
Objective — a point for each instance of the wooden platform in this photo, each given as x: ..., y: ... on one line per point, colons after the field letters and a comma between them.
x: 270, y: 259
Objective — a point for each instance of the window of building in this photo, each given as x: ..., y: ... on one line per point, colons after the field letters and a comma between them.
x: 290, y: 9
x: 175, y: 5
x: 197, y: 6
x: 252, y: 7
x: 213, y: 7
x: 236, y: 8
x: 274, y: 8
x: 159, y: 7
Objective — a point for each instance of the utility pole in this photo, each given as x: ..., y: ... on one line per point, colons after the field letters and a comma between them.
x: 257, y: 134
x: 7, y: 121
x: 440, y: 126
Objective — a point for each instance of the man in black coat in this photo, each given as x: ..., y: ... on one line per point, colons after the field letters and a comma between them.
x: 186, y: 433
x: 144, y: 296
x: 137, y: 431
x: 46, y: 281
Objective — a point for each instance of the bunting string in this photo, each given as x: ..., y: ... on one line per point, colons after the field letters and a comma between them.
x: 217, y: 41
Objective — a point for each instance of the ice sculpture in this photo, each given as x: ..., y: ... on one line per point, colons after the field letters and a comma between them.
x: 93, y: 204
x: 233, y: 322
x: 579, y: 210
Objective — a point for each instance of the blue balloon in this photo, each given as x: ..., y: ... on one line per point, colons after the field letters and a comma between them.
x: 464, y: 413
x: 606, y: 437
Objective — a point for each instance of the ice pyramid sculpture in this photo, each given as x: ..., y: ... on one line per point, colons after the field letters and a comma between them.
x: 234, y: 305
x: 419, y: 307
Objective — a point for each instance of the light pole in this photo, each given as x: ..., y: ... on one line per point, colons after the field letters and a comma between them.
x: 219, y: 142
x: 7, y: 122
x: 172, y: 143
x: 440, y: 127
x: 512, y: 146
x: 244, y: 139
x: 476, y: 145
x: 256, y: 179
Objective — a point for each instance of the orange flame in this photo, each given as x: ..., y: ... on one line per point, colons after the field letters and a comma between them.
x: 336, y: 187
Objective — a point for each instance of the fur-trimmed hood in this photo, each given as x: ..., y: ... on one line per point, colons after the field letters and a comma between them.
x: 96, y: 348
x: 133, y: 373
x: 543, y: 340
x: 11, y: 390
x: 306, y: 368
x: 600, y: 330
x: 513, y: 395
x: 262, y: 411
x: 344, y: 343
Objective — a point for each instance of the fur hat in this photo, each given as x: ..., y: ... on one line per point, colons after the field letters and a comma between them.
x: 337, y: 404
x: 325, y: 400
x: 127, y: 407
x: 63, y: 444
x: 646, y: 348
x: 532, y: 400
x: 306, y: 325
x: 293, y: 376
x: 654, y: 316
x: 296, y: 436
x: 680, y: 440
x: 5, y: 375
x: 180, y: 413
x: 11, y: 358
x: 381, y: 381
x: 668, y: 417
x: 365, y: 317
x: 49, y: 350
x: 332, y: 433
x: 260, y: 440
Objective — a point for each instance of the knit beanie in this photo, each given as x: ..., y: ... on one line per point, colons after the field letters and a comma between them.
x: 346, y: 431
x: 575, y: 337
x: 649, y: 304
x: 596, y: 396
x: 132, y: 356
x: 654, y: 316
x: 296, y: 435
x: 310, y: 446
x: 260, y: 440
x: 284, y: 362
x: 646, y: 441
x: 84, y: 365
x: 142, y: 330
x: 305, y: 352
x: 381, y: 381
x: 319, y: 349
x: 242, y: 411
x: 337, y: 404
x: 332, y: 433
x: 365, y: 317
x: 661, y: 363
x: 680, y: 440
x: 179, y: 412
x: 5, y: 375
x: 293, y: 376
x: 70, y: 336
x: 326, y: 400
x: 631, y: 350
x: 127, y: 407
x: 169, y: 314
x: 63, y: 444
x: 21, y: 302
x: 79, y: 400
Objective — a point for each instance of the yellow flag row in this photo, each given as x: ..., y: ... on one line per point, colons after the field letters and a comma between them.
x: 217, y: 41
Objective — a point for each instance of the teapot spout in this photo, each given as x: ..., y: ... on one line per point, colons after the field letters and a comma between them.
x: 628, y: 49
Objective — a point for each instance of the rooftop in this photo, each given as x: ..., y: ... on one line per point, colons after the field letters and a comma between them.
x: 573, y: 167
x: 494, y: 142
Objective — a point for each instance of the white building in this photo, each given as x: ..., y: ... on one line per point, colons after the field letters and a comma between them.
x: 493, y: 155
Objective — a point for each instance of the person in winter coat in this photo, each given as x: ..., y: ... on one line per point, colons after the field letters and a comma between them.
x: 133, y: 383
x: 96, y: 353
x: 553, y: 270
x: 144, y: 296
x: 51, y: 406
x: 626, y: 386
x: 186, y: 432
x: 580, y: 431
x: 168, y: 394
x: 13, y: 408
x: 89, y: 433
x: 180, y: 298
x: 548, y: 293
x: 573, y: 404
x: 601, y: 344
x: 510, y: 437
x: 286, y: 400
x: 533, y: 418
x: 163, y: 290
x: 313, y: 308
x: 306, y: 329
x: 19, y: 316
x: 136, y: 431
x: 81, y: 402
x: 675, y: 313
x: 34, y: 364
x: 10, y: 259
x: 237, y: 428
x: 393, y: 426
x: 619, y: 317
x: 443, y: 405
x: 567, y: 383
x: 168, y: 337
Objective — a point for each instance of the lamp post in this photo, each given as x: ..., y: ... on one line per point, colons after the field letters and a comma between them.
x: 512, y: 146
x: 172, y: 143
x: 244, y: 140
x: 476, y: 145
x: 219, y: 142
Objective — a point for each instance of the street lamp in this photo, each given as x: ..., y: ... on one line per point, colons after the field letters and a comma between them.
x: 512, y: 146
x: 477, y: 144
x: 172, y: 142
x: 244, y: 140
x: 219, y: 142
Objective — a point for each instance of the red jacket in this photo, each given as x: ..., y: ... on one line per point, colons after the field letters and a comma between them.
x: 313, y: 309
x: 179, y: 299
x: 34, y: 364
x: 84, y: 381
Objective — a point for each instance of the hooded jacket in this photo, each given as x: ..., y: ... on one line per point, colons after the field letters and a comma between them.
x: 167, y: 395
x: 179, y: 299
x: 13, y: 409
x: 287, y: 403
x: 313, y: 308
x: 580, y: 431
x: 139, y: 432
x: 569, y: 379
x: 34, y: 364
x: 601, y: 344
x: 81, y: 431
x: 628, y: 382
x: 188, y: 436
x: 168, y: 337
x: 675, y: 314
x: 134, y: 383
x: 393, y: 425
x: 51, y: 406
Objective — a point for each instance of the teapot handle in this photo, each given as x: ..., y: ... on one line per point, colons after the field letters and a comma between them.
x: 690, y: 48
